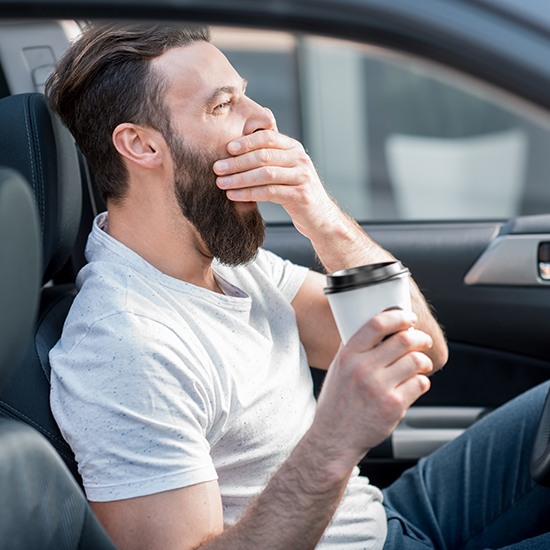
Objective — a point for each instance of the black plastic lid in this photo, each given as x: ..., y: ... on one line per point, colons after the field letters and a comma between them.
x: 364, y: 275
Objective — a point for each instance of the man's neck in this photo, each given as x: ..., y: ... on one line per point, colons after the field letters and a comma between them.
x: 168, y: 242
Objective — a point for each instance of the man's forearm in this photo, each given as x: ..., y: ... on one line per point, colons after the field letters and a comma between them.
x: 341, y: 243
x: 294, y: 509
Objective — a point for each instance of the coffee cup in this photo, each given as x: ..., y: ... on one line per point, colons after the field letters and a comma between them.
x: 357, y: 294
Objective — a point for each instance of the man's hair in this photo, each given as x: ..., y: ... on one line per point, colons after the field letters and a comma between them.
x: 106, y: 78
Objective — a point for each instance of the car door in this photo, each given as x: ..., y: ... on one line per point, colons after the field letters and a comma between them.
x: 431, y: 129
x: 446, y: 175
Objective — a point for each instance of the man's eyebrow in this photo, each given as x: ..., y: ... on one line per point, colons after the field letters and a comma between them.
x: 225, y: 90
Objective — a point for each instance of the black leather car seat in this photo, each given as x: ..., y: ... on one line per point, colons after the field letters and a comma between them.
x: 35, y: 143
x: 41, y: 505
x: 20, y: 270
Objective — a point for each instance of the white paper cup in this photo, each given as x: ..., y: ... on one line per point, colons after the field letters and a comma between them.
x: 355, y: 295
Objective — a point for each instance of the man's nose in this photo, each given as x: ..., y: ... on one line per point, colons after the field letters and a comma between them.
x: 259, y: 118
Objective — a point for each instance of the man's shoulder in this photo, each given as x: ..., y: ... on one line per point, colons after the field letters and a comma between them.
x: 112, y: 295
x: 118, y: 309
x: 102, y: 287
x: 118, y: 300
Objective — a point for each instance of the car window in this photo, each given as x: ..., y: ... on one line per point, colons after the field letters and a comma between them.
x: 393, y: 137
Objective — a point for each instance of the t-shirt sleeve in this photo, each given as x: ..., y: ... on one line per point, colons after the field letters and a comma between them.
x: 145, y: 429
x: 286, y: 275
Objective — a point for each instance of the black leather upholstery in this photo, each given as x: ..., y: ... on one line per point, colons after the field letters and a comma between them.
x: 41, y: 505
x: 40, y: 148
x: 27, y: 395
x: 33, y: 141
x: 20, y: 270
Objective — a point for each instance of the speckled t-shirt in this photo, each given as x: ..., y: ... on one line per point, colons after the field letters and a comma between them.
x: 158, y: 384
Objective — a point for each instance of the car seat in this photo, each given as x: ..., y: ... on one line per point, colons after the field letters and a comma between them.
x: 41, y: 504
x: 19, y: 269
x: 35, y: 143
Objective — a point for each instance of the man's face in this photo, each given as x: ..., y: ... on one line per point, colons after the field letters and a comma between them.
x: 207, y: 103
x: 206, y: 97
x: 231, y: 236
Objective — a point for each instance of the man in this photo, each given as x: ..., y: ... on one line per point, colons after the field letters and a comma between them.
x: 181, y: 380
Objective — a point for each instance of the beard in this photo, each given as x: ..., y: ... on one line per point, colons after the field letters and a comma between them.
x: 231, y: 237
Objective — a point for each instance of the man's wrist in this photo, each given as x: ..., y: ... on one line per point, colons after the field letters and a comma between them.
x: 341, y: 243
x: 331, y: 463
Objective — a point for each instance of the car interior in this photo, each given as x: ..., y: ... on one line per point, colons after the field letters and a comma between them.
x: 494, y: 313
x: 44, y: 153
x: 37, y: 488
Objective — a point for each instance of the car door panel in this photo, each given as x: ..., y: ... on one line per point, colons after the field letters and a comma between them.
x: 496, y: 332
x: 492, y: 356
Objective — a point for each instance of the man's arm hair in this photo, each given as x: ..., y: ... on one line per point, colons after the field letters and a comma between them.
x: 292, y: 512
x: 294, y: 509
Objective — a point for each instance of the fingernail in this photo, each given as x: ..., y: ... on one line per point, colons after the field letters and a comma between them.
x: 234, y: 147
x: 221, y: 166
x: 224, y: 183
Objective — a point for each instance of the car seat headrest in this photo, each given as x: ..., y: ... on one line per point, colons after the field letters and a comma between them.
x: 20, y: 269
x: 34, y: 142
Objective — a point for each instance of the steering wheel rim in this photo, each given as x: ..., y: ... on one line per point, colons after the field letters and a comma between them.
x: 540, y: 455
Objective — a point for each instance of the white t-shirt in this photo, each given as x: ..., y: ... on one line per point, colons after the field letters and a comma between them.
x: 158, y: 384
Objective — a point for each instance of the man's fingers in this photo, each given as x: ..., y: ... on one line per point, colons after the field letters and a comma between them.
x: 407, y: 366
x: 379, y: 327
x: 276, y: 193
x: 406, y: 341
x: 412, y: 388
x: 263, y: 139
x: 258, y: 177
x: 252, y: 160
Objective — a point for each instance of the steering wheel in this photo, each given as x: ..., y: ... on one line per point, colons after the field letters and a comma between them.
x: 540, y: 455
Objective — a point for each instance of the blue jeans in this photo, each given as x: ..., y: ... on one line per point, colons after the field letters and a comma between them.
x: 476, y: 492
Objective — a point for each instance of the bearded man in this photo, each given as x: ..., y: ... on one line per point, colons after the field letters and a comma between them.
x: 182, y: 379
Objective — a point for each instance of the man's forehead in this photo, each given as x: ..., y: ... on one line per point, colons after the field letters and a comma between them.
x: 198, y: 68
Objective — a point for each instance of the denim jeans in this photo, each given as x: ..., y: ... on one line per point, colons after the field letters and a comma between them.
x: 476, y: 492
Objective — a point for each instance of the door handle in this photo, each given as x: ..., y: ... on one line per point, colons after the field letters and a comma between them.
x: 516, y: 260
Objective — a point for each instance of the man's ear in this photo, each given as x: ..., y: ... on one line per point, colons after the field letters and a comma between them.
x: 139, y: 145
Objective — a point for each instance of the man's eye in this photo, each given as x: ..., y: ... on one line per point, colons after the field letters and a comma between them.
x: 222, y: 106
